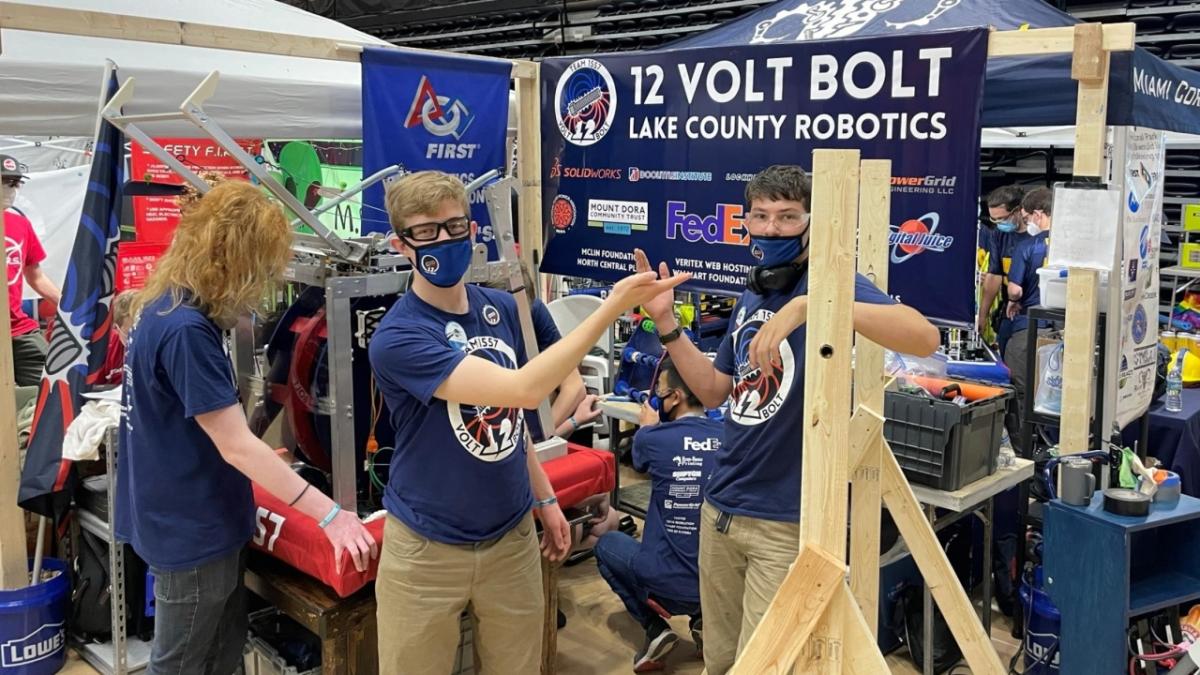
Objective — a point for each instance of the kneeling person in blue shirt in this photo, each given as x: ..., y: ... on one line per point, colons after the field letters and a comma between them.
x: 678, y: 454
x: 451, y: 363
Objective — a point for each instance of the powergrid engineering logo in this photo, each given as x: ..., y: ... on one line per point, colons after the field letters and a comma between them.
x: 585, y: 102
x: 441, y: 116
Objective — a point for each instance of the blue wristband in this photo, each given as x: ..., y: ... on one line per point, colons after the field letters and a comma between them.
x: 545, y: 502
x: 331, y: 515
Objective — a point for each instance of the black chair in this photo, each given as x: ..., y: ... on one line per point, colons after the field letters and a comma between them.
x: 1150, y: 25
x: 672, y: 21
x: 1183, y: 159
x: 1183, y: 23
x: 1188, y: 50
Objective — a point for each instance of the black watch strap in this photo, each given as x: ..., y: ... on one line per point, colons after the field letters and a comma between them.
x: 672, y: 336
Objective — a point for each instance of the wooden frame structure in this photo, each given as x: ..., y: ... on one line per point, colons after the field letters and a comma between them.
x: 819, y: 622
x: 816, y: 618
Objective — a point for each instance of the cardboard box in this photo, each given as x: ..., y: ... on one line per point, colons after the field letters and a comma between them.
x: 1189, y: 255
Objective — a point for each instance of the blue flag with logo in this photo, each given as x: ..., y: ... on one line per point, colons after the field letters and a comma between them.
x: 433, y: 112
x: 82, y: 329
x: 653, y: 150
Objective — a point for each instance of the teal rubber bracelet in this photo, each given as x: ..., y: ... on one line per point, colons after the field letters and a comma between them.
x: 331, y: 515
x: 545, y: 502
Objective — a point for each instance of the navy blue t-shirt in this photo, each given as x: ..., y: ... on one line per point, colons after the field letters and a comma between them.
x: 179, y: 503
x: 1029, y: 255
x: 546, y: 332
x: 757, y: 472
x: 458, y: 474
x: 679, y: 456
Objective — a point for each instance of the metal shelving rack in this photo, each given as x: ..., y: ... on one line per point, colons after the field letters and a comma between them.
x: 121, y: 654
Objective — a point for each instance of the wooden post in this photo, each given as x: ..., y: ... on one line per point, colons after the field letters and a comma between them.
x: 529, y: 164
x: 550, y: 618
x: 874, y: 210
x: 1089, y: 65
x: 824, y: 492
x: 814, y: 581
x: 14, y: 567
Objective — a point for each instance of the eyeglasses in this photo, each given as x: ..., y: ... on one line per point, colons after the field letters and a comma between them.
x: 454, y: 227
x: 789, y: 219
x: 12, y: 182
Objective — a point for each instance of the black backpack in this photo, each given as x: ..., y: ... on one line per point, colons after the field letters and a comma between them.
x: 91, y: 601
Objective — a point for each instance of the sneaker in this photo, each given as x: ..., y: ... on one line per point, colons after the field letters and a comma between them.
x: 660, y: 640
x: 696, y: 626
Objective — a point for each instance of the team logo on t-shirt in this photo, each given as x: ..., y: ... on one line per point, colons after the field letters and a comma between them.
x: 741, y: 317
x: 457, y: 336
x: 491, y: 315
x: 758, y: 393
x: 429, y: 264
x: 489, y: 434
x: 12, y: 253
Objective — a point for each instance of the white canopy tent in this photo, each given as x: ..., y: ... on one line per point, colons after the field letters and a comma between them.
x: 52, y: 82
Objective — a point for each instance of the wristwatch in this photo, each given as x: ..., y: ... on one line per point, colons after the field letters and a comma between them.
x: 668, y: 338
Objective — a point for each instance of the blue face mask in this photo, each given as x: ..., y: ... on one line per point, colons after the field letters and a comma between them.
x: 1006, y: 225
x: 772, y: 251
x: 444, y: 263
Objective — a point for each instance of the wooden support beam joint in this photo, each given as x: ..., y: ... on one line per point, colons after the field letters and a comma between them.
x: 1087, y: 60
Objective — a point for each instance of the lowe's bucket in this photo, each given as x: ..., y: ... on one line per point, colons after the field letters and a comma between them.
x: 33, y: 635
x: 1042, y: 622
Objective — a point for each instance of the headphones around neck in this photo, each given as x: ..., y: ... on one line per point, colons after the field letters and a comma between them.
x: 776, y: 278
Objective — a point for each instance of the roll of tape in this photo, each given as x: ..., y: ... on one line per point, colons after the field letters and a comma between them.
x: 1125, y: 502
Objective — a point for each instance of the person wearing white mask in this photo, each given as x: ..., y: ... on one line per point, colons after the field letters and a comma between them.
x: 24, y: 254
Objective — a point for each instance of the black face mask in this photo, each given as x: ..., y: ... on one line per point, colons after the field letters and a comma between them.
x: 776, y: 278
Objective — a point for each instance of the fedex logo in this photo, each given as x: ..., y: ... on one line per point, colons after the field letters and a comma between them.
x: 723, y: 227
x: 706, y: 445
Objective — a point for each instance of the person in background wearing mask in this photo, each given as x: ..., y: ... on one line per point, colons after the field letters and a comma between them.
x: 450, y: 360
x: 1004, y: 208
x: 676, y: 445
x: 1028, y: 256
x: 750, y: 521
x: 25, y: 254
x: 184, y: 498
x: 572, y: 407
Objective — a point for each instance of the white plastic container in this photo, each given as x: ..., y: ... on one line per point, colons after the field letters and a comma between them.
x: 1052, y: 286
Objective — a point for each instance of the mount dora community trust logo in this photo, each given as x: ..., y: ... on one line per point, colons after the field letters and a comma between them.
x: 585, y: 102
x: 758, y: 393
x: 490, y: 434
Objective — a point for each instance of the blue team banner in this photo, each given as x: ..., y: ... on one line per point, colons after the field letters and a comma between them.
x: 433, y: 112
x: 653, y: 150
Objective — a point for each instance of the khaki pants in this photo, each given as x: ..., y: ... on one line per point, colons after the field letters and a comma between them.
x: 423, y: 587
x: 740, y: 570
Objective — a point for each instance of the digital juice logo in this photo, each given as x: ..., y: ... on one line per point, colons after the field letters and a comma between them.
x: 585, y: 101
x: 915, y: 236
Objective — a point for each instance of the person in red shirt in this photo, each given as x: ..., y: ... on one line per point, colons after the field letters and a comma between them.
x: 24, y: 254
x: 122, y: 321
